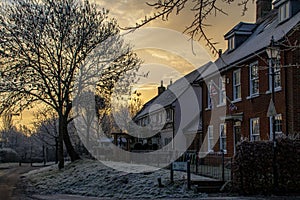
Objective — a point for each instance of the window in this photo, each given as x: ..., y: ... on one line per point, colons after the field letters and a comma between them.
x: 231, y: 43
x: 169, y: 115
x: 277, y: 75
x: 222, y: 91
x: 210, y: 138
x: 278, y: 126
x: 254, y: 81
x: 237, y: 85
x: 284, y: 11
x: 209, y: 100
x: 223, y: 137
x: 254, y: 129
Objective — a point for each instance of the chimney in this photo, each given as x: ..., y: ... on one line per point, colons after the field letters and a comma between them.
x: 220, y: 52
x: 263, y: 7
x: 161, y: 89
x: 171, y: 82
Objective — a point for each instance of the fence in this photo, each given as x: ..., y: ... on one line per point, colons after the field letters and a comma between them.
x: 214, y: 165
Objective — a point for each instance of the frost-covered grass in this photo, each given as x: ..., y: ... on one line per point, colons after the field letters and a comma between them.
x: 8, y: 165
x: 92, y: 178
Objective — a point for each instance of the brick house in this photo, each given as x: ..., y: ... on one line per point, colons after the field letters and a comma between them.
x: 235, y: 91
x: 245, y: 82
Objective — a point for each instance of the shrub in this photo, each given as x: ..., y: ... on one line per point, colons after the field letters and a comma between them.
x: 8, y: 155
x: 252, y: 168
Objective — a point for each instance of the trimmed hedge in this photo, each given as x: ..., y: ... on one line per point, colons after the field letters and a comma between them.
x: 252, y: 168
x: 8, y: 155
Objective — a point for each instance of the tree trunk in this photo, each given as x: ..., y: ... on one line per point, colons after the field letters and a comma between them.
x: 61, y: 162
x: 70, y: 149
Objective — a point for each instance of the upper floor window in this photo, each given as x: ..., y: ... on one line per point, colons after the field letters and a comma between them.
x: 231, y: 43
x: 254, y: 129
x: 222, y: 91
x: 284, y: 11
x: 169, y: 115
x: 210, y: 93
x: 223, y: 134
x: 254, y: 79
x: 277, y: 75
x: 237, y: 85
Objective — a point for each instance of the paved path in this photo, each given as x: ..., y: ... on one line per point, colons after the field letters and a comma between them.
x: 9, y: 178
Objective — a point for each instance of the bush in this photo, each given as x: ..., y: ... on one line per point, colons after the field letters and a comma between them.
x: 8, y: 155
x: 253, y: 167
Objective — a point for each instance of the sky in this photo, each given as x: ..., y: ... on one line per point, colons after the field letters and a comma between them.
x: 166, y: 52
x: 169, y: 58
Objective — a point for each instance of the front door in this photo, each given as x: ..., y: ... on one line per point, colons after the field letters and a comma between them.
x: 237, y: 133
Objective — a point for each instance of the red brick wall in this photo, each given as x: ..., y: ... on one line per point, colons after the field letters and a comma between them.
x: 287, y: 100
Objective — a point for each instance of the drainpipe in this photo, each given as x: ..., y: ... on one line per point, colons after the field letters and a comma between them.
x: 286, y: 94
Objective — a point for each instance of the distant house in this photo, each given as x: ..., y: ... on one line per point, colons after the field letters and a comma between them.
x: 175, y: 111
x: 245, y: 85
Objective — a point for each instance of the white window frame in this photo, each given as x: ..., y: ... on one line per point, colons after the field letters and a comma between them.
x: 284, y: 11
x: 277, y: 76
x: 231, y: 43
x: 223, y: 136
x: 253, y: 79
x: 278, y: 124
x: 237, y: 88
x: 255, y: 129
x: 169, y: 115
x: 210, y: 137
x: 222, y: 90
x: 209, y: 99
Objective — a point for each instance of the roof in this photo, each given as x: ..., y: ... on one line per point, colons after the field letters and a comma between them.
x: 259, y: 40
x: 169, y: 96
x: 242, y: 28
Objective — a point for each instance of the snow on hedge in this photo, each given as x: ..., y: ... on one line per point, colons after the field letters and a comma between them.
x: 92, y: 178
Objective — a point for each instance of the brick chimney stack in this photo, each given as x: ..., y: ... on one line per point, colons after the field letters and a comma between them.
x: 161, y: 89
x: 263, y: 7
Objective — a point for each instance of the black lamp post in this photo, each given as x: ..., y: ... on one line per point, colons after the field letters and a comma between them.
x: 273, y: 52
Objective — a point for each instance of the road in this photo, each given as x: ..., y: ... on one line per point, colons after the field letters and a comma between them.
x: 9, y: 178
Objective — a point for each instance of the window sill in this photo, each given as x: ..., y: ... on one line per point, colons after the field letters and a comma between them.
x: 278, y: 89
x: 221, y: 105
x: 236, y: 100
x: 252, y: 96
x: 224, y: 151
x: 207, y: 109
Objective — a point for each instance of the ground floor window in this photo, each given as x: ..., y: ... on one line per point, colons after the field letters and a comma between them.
x: 223, y: 135
x: 278, y: 125
x: 254, y: 129
x: 210, y: 138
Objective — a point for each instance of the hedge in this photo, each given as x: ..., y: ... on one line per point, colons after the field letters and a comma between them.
x: 8, y: 155
x: 252, y: 168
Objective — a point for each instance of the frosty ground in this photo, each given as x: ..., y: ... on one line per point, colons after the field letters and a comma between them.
x: 92, y: 178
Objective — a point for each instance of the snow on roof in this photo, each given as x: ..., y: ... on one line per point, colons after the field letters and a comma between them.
x: 241, y: 28
x: 169, y: 96
x: 260, y: 39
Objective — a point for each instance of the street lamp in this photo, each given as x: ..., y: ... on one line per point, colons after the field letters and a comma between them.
x: 273, y: 52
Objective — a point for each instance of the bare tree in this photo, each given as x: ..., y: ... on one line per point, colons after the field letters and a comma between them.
x: 43, y: 46
x: 201, y: 10
x: 46, y: 125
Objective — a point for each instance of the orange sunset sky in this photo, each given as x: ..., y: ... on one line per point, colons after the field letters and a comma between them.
x: 159, y: 58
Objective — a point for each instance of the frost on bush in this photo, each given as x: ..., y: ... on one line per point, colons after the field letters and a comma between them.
x: 8, y: 155
x: 253, y: 166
